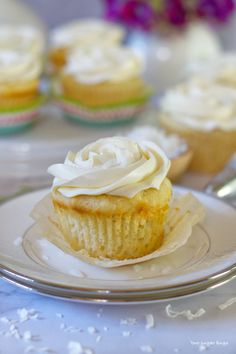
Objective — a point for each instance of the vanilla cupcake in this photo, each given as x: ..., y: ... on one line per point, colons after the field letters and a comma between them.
x: 112, y: 197
x: 102, y: 85
x: 21, y: 56
x: 81, y: 33
x: 176, y: 149
x: 20, y: 97
x: 204, y: 114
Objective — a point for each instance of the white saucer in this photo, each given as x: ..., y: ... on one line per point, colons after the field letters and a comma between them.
x: 207, y: 260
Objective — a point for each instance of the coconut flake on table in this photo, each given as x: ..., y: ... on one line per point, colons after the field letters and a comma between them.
x: 150, y: 323
x: 228, y: 303
x: 171, y: 144
x: 185, y: 313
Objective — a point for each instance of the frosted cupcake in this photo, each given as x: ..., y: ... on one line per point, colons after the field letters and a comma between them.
x: 81, y: 33
x: 20, y: 97
x: 102, y: 85
x: 204, y: 114
x: 176, y: 149
x: 112, y: 197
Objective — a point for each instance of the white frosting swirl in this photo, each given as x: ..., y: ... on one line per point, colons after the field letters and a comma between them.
x: 92, y: 65
x: 116, y: 166
x: 25, y: 38
x: 222, y: 68
x: 201, y: 105
x: 18, y: 66
x: 171, y: 144
x: 86, y: 32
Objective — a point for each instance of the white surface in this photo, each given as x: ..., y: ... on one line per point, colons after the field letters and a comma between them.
x: 169, y: 335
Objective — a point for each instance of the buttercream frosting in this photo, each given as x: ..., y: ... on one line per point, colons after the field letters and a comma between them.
x: 171, y: 144
x: 20, y: 37
x: 86, y: 32
x: 202, y: 105
x: 221, y: 69
x: 18, y: 66
x: 116, y: 166
x: 92, y: 65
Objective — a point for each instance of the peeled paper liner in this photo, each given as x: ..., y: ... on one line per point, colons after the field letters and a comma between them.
x: 185, y: 212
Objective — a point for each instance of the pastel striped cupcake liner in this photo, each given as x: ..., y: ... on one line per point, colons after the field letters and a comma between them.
x: 17, y: 121
x: 104, y: 115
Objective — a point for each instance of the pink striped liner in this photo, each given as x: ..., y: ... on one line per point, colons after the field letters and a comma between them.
x: 101, y: 114
x: 17, y: 118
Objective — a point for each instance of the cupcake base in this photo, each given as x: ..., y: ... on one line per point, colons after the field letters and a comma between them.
x: 111, y: 226
x: 12, y: 122
x: 211, y: 149
x: 99, y: 117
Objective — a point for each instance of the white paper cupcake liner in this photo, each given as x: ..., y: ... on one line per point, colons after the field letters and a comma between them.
x: 185, y: 212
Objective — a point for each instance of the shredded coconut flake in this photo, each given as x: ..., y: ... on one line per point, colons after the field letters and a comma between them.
x: 128, y: 321
x: 5, y: 320
x: 186, y: 313
x: 27, y: 336
x: 26, y: 315
x: 146, y: 348
x: 92, y: 330
x: 227, y: 303
x: 98, y: 339
x: 18, y: 241
x: 126, y: 334
x: 13, y: 332
x: 202, y: 347
x: 77, y: 348
x: 149, y: 321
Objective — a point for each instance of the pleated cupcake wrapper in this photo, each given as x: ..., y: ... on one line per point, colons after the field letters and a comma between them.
x: 11, y: 119
x: 185, y: 212
x: 105, y: 115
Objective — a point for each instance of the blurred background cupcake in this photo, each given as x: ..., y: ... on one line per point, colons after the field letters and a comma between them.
x: 202, y: 112
x: 21, y: 56
x: 176, y: 148
x: 102, y: 84
x: 76, y: 34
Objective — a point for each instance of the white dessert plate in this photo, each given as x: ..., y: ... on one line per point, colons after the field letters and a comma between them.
x: 30, y: 261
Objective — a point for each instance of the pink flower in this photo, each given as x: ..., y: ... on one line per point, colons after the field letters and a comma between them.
x: 138, y: 14
x: 175, y: 12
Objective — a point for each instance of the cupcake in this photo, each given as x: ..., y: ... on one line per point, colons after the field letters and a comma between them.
x: 102, y: 85
x: 20, y: 97
x: 21, y: 51
x: 204, y: 114
x: 81, y: 33
x: 176, y: 149
x: 111, y: 198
